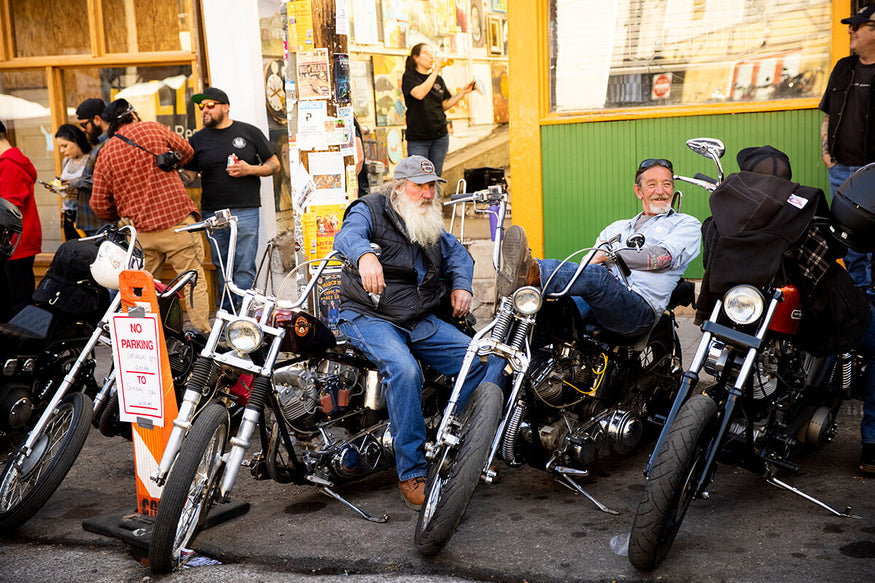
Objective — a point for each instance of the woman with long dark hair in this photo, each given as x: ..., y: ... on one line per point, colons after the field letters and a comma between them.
x: 74, y: 145
x: 427, y: 98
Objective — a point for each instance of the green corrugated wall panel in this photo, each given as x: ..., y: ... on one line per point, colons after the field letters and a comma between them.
x: 589, y: 168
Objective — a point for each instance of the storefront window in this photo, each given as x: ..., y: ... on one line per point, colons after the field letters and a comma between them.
x: 640, y: 53
x: 145, y: 26
x: 42, y: 28
x: 158, y: 93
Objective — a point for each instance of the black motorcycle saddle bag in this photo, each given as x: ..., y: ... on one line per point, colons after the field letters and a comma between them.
x: 28, y: 330
x: 67, y: 287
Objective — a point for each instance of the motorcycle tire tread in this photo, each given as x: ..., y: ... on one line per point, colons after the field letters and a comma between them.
x: 647, y: 540
x: 58, y: 467
x: 480, y: 419
x: 179, y: 482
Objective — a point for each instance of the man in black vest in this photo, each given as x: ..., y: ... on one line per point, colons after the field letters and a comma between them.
x: 388, y: 303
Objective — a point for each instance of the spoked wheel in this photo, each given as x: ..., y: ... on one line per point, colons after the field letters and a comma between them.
x: 190, y: 489
x: 669, y: 491
x: 453, y: 477
x: 27, y: 483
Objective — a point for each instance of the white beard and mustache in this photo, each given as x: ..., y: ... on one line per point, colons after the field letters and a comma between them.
x: 423, y: 220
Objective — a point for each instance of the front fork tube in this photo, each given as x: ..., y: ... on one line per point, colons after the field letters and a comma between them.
x: 689, y: 380
x: 200, y: 376
x: 261, y: 388
x: 509, y: 408
x: 69, y: 379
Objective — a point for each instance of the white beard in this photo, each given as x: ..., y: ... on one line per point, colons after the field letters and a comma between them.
x: 424, y: 222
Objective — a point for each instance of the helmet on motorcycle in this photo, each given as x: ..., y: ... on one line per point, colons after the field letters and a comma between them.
x: 853, y: 210
x: 10, y: 227
x: 113, y: 258
x: 765, y: 160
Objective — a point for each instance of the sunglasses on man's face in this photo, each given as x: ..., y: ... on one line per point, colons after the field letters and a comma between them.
x: 650, y: 163
x: 856, y: 27
x: 84, y: 124
x: 207, y: 105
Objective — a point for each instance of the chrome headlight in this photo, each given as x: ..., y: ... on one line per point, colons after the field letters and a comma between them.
x: 743, y: 304
x: 527, y: 300
x: 244, y: 335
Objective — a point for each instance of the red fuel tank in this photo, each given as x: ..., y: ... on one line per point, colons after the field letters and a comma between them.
x: 787, y: 314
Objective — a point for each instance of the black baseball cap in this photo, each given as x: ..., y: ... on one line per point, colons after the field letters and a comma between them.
x: 89, y: 108
x: 213, y: 93
x: 863, y: 15
x: 765, y: 160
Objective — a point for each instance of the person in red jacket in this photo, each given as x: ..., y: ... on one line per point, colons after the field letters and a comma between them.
x: 17, y: 177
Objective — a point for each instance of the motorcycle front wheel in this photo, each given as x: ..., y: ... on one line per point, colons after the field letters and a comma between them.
x: 27, y: 484
x: 453, y: 478
x: 670, y: 488
x: 190, y: 489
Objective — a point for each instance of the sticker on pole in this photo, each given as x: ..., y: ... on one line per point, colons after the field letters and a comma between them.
x: 136, y: 354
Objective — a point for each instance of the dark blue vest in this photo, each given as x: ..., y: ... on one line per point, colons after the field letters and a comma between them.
x: 402, y: 302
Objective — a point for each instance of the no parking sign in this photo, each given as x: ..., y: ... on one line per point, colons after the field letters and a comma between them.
x: 136, y: 353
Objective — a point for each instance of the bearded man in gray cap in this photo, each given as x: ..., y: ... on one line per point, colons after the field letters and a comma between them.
x: 388, y: 303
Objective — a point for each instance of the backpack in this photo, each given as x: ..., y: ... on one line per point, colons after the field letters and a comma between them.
x: 67, y: 288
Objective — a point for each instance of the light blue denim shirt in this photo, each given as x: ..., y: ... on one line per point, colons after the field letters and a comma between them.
x: 678, y: 233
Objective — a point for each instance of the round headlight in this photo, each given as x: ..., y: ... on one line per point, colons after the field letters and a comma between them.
x: 527, y: 300
x: 244, y: 335
x: 743, y: 304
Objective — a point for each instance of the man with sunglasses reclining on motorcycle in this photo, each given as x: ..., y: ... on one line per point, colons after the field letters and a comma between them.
x: 388, y: 303
x: 672, y: 240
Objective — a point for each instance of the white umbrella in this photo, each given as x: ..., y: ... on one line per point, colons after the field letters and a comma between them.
x: 12, y: 108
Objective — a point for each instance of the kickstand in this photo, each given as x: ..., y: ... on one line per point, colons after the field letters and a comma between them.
x: 572, y: 485
x: 329, y: 492
x: 783, y: 485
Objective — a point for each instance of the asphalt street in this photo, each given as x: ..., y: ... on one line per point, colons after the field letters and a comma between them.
x: 527, y: 527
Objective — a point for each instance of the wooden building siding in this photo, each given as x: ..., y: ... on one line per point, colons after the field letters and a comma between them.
x: 589, y: 168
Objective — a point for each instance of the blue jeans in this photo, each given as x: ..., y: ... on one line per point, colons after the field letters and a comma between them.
x: 605, y: 298
x: 394, y: 350
x: 859, y: 265
x: 244, y: 257
x: 867, y: 348
x: 434, y: 150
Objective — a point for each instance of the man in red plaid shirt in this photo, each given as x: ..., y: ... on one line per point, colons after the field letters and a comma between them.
x: 129, y: 185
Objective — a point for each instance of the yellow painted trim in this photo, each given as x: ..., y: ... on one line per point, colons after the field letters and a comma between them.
x: 527, y: 68
x: 839, y: 47
x: 678, y: 111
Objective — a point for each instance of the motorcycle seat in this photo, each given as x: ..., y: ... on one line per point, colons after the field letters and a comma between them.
x: 28, y: 330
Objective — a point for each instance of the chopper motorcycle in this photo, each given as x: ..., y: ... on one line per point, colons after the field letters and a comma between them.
x: 320, y: 416
x: 57, y: 348
x: 577, y: 394
x: 770, y: 399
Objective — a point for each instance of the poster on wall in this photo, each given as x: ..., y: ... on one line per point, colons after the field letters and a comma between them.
x: 303, y: 12
x: 480, y: 101
x: 499, y: 6
x: 431, y: 22
x: 364, y: 22
x: 312, y: 116
x: 395, y: 23
x: 328, y: 174
x: 382, y: 152
x: 478, y: 40
x: 463, y: 7
x: 455, y: 78
x: 341, y: 77
x: 394, y: 146
x: 313, y: 81
x: 328, y: 292
x: 321, y: 223
x: 389, y: 101
x: 362, y: 84
x: 500, y: 93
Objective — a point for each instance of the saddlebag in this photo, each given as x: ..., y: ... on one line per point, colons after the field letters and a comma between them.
x: 67, y: 287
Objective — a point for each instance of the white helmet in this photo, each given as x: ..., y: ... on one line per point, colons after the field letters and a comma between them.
x: 111, y: 260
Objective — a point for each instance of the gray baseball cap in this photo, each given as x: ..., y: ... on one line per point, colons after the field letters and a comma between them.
x: 416, y: 169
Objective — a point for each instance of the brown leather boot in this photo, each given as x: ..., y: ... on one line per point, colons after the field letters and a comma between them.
x: 517, y: 267
x: 413, y: 492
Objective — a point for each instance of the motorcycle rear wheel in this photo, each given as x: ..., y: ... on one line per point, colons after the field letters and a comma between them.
x: 26, y: 487
x: 452, y: 480
x: 190, y: 489
x: 669, y: 491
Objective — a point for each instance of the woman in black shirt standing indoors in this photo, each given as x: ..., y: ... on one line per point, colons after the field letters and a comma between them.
x: 427, y: 97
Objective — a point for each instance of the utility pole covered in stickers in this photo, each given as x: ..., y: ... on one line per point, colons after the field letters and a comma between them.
x: 321, y: 129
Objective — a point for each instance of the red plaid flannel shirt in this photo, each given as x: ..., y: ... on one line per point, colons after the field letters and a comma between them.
x: 128, y: 183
